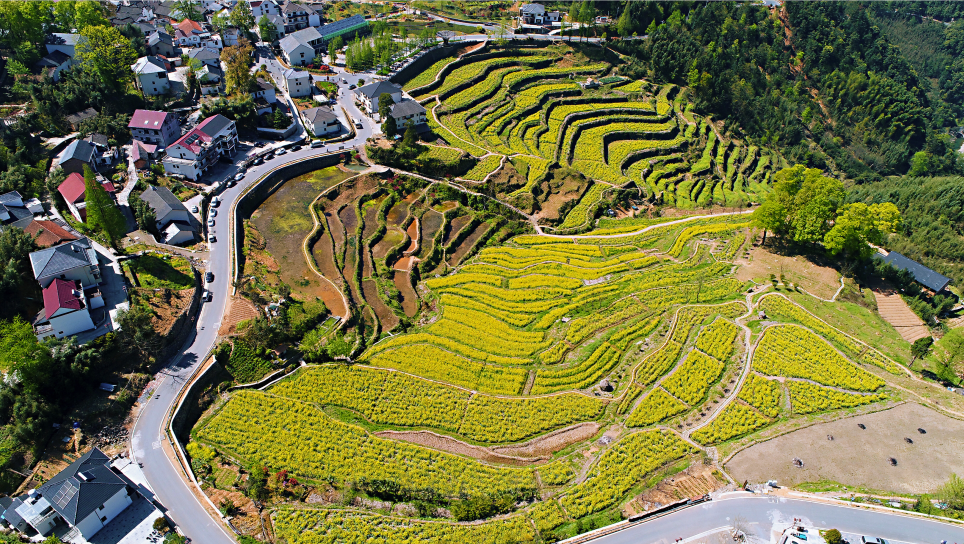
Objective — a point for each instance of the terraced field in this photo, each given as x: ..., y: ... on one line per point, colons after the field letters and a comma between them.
x: 528, y: 105
x: 523, y: 352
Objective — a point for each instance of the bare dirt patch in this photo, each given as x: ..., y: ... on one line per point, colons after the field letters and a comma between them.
x: 451, y: 445
x: 385, y: 315
x: 391, y: 239
x: 403, y: 283
x: 405, y: 264
x: 348, y: 219
x: 695, y: 481
x: 239, y: 309
x: 166, y: 304
x: 468, y: 243
x: 454, y: 227
x: 821, y: 281
x: 371, y: 217
x: 413, y: 235
x: 246, y: 517
x: 429, y: 225
x: 860, y: 457
x: 552, y: 442
x: 324, y: 256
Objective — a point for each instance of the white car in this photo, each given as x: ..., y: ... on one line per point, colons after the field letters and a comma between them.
x: 194, y: 209
x: 239, y: 177
x: 213, y: 213
x: 281, y: 151
x: 215, y: 202
x: 210, y: 222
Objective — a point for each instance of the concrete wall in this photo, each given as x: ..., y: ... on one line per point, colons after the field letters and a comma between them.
x: 110, y: 509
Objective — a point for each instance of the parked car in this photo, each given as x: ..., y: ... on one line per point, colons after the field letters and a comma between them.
x: 872, y: 540
x: 239, y: 177
x: 296, y: 147
x: 259, y: 160
x: 207, y: 296
x: 215, y: 202
x: 358, y: 124
x: 232, y: 183
x: 194, y: 209
x: 351, y: 87
x: 210, y: 222
x: 213, y: 213
x: 281, y: 151
x: 209, y: 277
x: 317, y: 143
x: 212, y: 238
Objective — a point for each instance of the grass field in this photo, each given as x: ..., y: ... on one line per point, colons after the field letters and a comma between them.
x: 161, y: 272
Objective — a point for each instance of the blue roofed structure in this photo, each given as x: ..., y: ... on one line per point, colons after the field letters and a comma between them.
x: 930, y: 279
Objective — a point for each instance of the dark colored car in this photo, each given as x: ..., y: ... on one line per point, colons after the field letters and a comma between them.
x: 209, y: 277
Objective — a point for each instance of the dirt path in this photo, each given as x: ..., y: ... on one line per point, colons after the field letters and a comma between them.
x: 552, y: 442
x: 895, y: 311
x: 451, y: 445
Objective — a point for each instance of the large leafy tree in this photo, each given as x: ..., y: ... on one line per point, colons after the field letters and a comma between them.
x: 107, y: 53
x: 860, y: 224
x: 24, y: 22
x: 188, y: 9
x: 102, y: 215
x: 267, y: 29
x: 16, y: 279
x: 238, y: 61
x: 73, y: 15
x: 242, y: 17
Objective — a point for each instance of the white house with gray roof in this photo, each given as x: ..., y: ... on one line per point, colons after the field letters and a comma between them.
x: 369, y: 94
x: 298, y: 48
x: 74, y: 261
x: 408, y: 112
x: 321, y: 121
x: 150, y: 73
x: 170, y: 212
x: 297, y: 83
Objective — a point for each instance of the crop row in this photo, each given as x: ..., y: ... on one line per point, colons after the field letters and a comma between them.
x: 778, y: 306
x: 579, y: 215
x: 303, y: 526
x: 468, y: 72
x: 717, y: 339
x: 458, y: 346
x: 447, y: 134
x: 582, y: 375
x: 795, y: 352
x: 279, y: 433
x: 807, y: 398
x: 641, y: 328
x: 538, y: 281
x: 657, y: 406
x: 735, y: 420
x: 762, y: 394
x: 484, y: 167
x: 428, y: 75
x: 584, y: 327
x: 436, y: 363
x: 538, y: 168
x: 510, y: 317
x: 693, y: 379
x: 482, y: 89
x: 695, y: 230
x: 621, y: 467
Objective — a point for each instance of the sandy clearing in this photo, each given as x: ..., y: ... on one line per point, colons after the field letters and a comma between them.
x: 860, y: 457
x: 895, y: 311
x: 552, y: 442
x: 451, y: 445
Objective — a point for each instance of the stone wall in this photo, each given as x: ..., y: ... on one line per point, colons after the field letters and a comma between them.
x: 184, y: 325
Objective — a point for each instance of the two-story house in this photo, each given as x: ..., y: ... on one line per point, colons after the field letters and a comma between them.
x: 160, y: 43
x: 408, y: 112
x: 536, y: 14
x: 154, y: 127
x: 205, y: 55
x: 297, y: 83
x: 82, y: 499
x: 370, y: 94
x: 321, y: 121
x: 150, y: 74
x: 192, y: 154
x: 170, y: 212
x: 75, y: 156
x: 66, y: 310
x: 264, y: 96
x: 73, y: 190
x: 263, y: 7
x: 298, y: 16
x: 301, y: 47
x: 76, y: 260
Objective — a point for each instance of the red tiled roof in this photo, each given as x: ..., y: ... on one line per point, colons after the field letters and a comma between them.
x: 188, y: 26
x: 72, y: 189
x: 60, y: 294
x: 48, y: 233
x: 147, y: 119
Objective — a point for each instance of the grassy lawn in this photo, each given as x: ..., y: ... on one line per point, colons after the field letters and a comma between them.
x: 858, y: 321
x: 161, y: 272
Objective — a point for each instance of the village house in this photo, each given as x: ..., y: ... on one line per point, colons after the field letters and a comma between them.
x: 75, y: 260
x: 192, y: 154
x: 73, y: 191
x: 154, y: 127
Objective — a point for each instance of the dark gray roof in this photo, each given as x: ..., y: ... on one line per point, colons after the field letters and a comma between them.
x: 54, y: 59
x: 535, y: 9
x: 374, y: 90
x: 162, y: 200
x: 203, y: 53
x: 20, y: 216
x: 212, y: 125
x: 56, y: 260
x: 79, y: 116
x: 98, y: 138
x: 158, y: 37
x: 84, y: 486
x: 263, y: 85
x: 344, y: 24
x: 324, y: 115
x: 925, y: 276
x: 10, y: 515
x: 406, y: 107
x: 12, y: 196
x: 78, y: 149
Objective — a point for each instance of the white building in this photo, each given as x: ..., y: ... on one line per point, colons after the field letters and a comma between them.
x: 297, y: 83
x: 66, y: 310
x: 173, y: 219
x: 369, y: 94
x: 150, y: 73
x: 299, y: 48
x: 263, y: 7
x: 536, y: 14
x: 154, y: 127
x: 65, y: 43
x: 321, y: 121
x: 74, y: 261
x: 192, y: 154
x: 82, y: 499
x: 407, y: 112
x: 298, y: 16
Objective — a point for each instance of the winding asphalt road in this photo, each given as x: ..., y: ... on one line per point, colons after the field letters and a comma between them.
x: 765, y: 513
x: 185, y: 508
